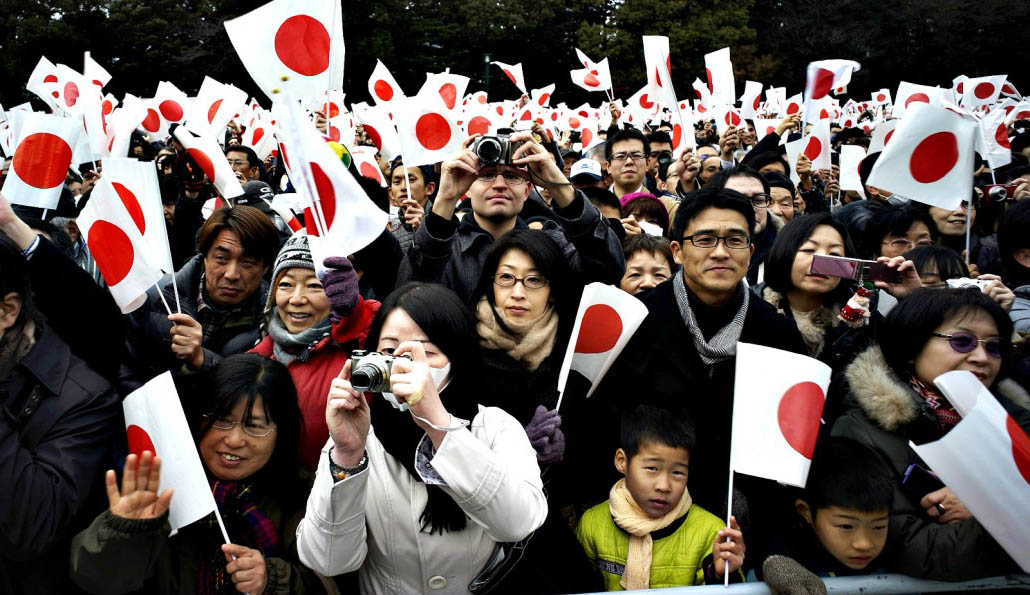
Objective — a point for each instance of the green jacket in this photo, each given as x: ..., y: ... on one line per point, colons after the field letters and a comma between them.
x: 680, y: 555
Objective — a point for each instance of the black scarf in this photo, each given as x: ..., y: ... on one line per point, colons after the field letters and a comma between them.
x: 399, y: 435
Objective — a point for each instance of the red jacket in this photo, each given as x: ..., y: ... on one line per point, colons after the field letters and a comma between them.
x: 313, y: 376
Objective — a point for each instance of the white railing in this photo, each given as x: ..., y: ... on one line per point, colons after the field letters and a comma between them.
x: 879, y: 584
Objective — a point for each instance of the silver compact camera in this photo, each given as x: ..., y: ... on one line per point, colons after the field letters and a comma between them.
x: 966, y: 282
x: 495, y: 150
x: 370, y: 371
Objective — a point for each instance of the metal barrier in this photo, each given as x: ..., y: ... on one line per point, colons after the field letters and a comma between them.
x: 880, y: 584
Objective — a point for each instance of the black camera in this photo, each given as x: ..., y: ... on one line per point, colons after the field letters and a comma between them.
x: 664, y: 161
x: 495, y: 150
x: 370, y: 371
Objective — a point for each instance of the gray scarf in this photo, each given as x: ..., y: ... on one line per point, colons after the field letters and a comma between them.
x: 723, y: 344
x: 288, y: 346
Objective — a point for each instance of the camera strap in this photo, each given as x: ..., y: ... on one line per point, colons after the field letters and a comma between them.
x: 461, y: 423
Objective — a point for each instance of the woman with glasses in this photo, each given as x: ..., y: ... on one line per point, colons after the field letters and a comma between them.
x: 950, y: 225
x: 247, y: 435
x: 894, y: 231
x: 890, y: 399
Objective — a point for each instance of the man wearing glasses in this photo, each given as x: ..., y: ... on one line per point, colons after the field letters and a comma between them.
x: 755, y: 188
x: 626, y: 153
x: 244, y: 163
x: 451, y: 252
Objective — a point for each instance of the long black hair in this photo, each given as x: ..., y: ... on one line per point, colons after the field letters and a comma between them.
x: 780, y: 262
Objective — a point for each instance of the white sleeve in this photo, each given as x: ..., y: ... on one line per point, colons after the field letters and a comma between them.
x: 331, y: 536
x: 493, y: 475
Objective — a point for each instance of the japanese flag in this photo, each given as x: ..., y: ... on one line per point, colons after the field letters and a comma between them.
x: 260, y: 135
x: 596, y: 77
x: 824, y: 76
x: 994, y: 145
x: 41, y: 160
x: 765, y: 127
x: 379, y: 129
x: 93, y: 72
x: 1020, y: 112
x: 113, y: 237
x: 122, y: 123
x: 216, y: 103
x: 481, y: 119
x: 285, y: 46
x: 450, y: 87
x: 775, y: 97
x: 704, y: 96
x: 751, y: 99
x: 719, y: 71
x: 42, y: 78
x: 985, y: 460
x: 211, y: 159
x: 816, y: 145
x: 70, y: 86
x: 778, y: 401
x: 657, y: 62
x: 726, y: 116
x: 881, y: 97
x: 1009, y: 90
x: 365, y: 162
x: 791, y: 106
x: 910, y: 94
x: 682, y: 129
x: 154, y: 421
x: 478, y: 98
x: 605, y: 322
x: 929, y: 158
x: 95, y: 110
x: 882, y: 134
x: 542, y: 97
x: 643, y: 103
x: 427, y: 130
x: 382, y: 86
x: 283, y: 205
x: 135, y: 182
x: 851, y: 157
x: 514, y: 73
x: 583, y: 59
x: 982, y: 91
x: 172, y: 104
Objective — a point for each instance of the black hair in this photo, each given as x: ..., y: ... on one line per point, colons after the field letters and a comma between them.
x: 252, y: 159
x: 949, y: 264
x: 778, y: 180
x: 847, y: 474
x: 720, y: 179
x: 648, y: 207
x: 1014, y: 235
x: 14, y: 278
x: 912, y: 322
x: 625, y: 134
x: 760, y: 160
x: 659, y: 136
x: 865, y: 167
x: 643, y: 242
x: 893, y: 221
x: 780, y: 262
x: 256, y: 232
x: 648, y: 424
x: 426, y: 171
x: 602, y: 197
x: 711, y: 197
x: 249, y: 376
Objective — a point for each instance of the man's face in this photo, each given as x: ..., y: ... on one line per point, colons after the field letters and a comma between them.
x: 656, y: 151
x: 782, y: 203
x: 10, y: 308
x: 498, y: 194
x: 230, y: 276
x: 748, y: 134
x: 419, y: 189
x: 239, y: 164
x: 169, y: 211
x: 713, y: 273
x: 627, y: 165
x: 709, y: 167
x: 569, y: 162
x: 751, y: 188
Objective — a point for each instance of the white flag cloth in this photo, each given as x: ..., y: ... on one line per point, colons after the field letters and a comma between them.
x: 292, y: 39
x: 382, y: 86
x: 765, y: 127
x: 94, y: 73
x: 985, y: 460
x: 379, y: 128
x: 995, y: 146
x: 881, y: 97
x: 911, y: 94
x: 851, y: 157
x: 778, y: 400
x: 42, y: 157
x: 154, y: 421
x: 427, y: 130
x: 451, y: 87
x: 216, y: 103
x: 136, y: 184
x: 206, y: 153
x: 605, y: 322
x: 42, y: 78
x: 657, y: 61
x: 719, y: 70
x: 982, y: 91
x: 514, y: 73
x: 929, y: 158
x: 883, y: 132
x: 791, y: 106
x: 824, y: 76
x: 596, y: 77
x: 116, y: 244
x: 751, y: 99
x: 541, y: 97
x: 816, y: 145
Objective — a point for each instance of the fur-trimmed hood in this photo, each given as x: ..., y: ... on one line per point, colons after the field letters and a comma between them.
x: 813, y: 328
x: 889, y: 402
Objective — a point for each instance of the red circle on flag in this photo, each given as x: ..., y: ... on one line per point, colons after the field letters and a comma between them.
x: 326, y: 194
x: 657, y: 79
x: 701, y: 108
x: 544, y: 99
x: 213, y: 111
x: 383, y: 90
x: 758, y: 100
x: 450, y: 94
x: 370, y: 171
x: 500, y: 110
x: 917, y: 98
x: 1002, y: 136
x: 645, y: 102
x: 55, y: 94
x: 510, y: 75
x: 139, y: 440
x: 71, y: 93
x: 258, y: 135
x: 798, y: 416
x: 112, y: 250
x: 983, y: 90
x: 526, y: 115
x: 813, y: 148
x: 334, y: 110
x: 171, y: 110
x: 302, y: 44
x: 374, y: 136
x: 586, y: 137
x: 50, y: 78
x: 1020, y: 447
x: 708, y: 75
x: 152, y: 123
x: 934, y: 157
x: 1007, y: 88
x: 823, y: 114
x: 433, y: 131
x: 554, y: 116
x: 131, y: 205
x: 881, y: 97
x: 574, y: 122
x: 600, y: 329
x: 822, y: 84
x: 334, y: 134
x: 204, y: 162
x: 960, y: 88
x: 847, y: 123
x: 698, y: 93
x: 1024, y: 115
x: 478, y: 125
x: 677, y: 135
x: 591, y: 80
x: 107, y: 107
x: 732, y: 119
x: 793, y: 108
x: 41, y: 160
x: 887, y: 138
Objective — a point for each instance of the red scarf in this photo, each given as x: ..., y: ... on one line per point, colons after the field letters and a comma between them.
x: 946, y: 415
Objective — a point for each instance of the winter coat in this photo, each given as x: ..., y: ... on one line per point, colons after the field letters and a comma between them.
x: 1020, y: 312
x: 370, y: 521
x: 313, y: 372
x: 763, y: 245
x: 453, y: 253
x: 115, y: 555
x: 882, y: 412
x: 59, y: 426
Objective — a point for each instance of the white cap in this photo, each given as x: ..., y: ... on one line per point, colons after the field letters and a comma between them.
x: 586, y: 167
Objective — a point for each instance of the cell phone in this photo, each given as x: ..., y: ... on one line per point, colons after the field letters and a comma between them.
x: 853, y: 268
x: 919, y: 482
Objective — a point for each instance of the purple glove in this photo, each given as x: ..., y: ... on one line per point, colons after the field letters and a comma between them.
x: 341, y: 287
x: 546, y: 436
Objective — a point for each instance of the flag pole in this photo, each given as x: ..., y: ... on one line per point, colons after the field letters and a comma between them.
x: 407, y: 184
x: 175, y: 288
x: 969, y: 227
x: 163, y: 300
x: 221, y: 526
x: 729, y: 516
x: 329, y: 72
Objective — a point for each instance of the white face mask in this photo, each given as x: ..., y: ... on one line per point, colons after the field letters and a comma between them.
x: 439, y: 375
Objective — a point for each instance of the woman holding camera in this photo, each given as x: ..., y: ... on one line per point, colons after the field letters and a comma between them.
x: 311, y: 327
x: 247, y: 438
x: 416, y: 487
x: 890, y: 399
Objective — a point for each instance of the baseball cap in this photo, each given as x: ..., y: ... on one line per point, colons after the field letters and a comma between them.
x: 586, y: 167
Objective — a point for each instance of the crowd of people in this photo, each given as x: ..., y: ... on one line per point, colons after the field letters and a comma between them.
x: 387, y: 421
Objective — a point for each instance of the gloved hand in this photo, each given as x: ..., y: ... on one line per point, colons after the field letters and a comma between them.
x: 546, y: 436
x: 341, y: 287
x: 786, y: 577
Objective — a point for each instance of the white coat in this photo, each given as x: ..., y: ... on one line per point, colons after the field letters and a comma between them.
x: 370, y: 521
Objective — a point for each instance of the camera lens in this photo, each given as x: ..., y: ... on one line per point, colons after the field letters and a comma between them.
x: 664, y: 159
x: 998, y: 193
x: 489, y: 150
x: 366, y: 377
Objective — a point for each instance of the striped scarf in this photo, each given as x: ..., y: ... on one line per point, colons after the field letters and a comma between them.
x: 245, y: 524
x: 942, y: 409
x: 723, y: 344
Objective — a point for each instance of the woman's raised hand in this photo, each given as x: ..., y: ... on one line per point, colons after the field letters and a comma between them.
x: 347, y: 415
x: 138, y: 497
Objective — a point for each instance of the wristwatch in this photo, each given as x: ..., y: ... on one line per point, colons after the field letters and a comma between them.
x: 340, y: 473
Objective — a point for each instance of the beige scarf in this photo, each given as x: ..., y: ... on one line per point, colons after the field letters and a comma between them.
x: 633, y: 520
x: 528, y: 342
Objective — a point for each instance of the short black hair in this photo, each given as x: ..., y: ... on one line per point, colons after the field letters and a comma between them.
x: 847, y: 474
x: 865, y: 167
x: 252, y: 157
x: 789, y: 239
x: 659, y: 136
x: 602, y: 197
x: 14, y: 278
x: 1013, y: 235
x: 625, y: 134
x: 648, y: 207
x: 778, y: 180
x: 760, y: 160
x: 648, y: 424
x: 643, y: 242
x: 911, y: 323
x: 949, y: 264
x: 893, y: 221
x: 720, y: 179
x: 711, y: 198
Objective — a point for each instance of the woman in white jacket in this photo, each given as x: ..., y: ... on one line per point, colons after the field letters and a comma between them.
x: 418, y: 500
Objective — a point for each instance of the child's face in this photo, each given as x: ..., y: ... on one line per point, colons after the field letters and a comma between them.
x: 854, y: 537
x: 656, y: 476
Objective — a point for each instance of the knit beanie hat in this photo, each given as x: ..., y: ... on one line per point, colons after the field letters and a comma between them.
x: 295, y: 254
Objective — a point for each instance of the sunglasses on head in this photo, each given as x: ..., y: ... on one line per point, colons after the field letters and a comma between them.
x: 963, y: 342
